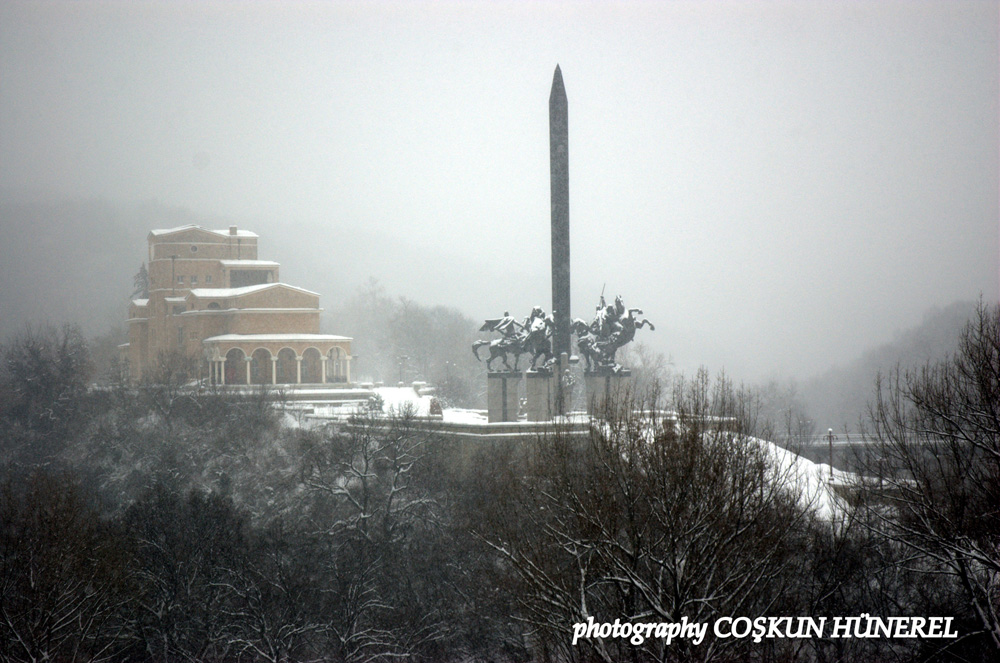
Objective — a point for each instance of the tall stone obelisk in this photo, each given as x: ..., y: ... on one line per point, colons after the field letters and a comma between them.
x: 559, y: 174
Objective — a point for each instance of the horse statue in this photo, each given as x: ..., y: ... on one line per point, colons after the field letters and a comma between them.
x: 531, y: 336
x: 587, y: 344
x: 538, y: 340
x: 629, y: 323
x: 499, y: 349
x: 510, y: 341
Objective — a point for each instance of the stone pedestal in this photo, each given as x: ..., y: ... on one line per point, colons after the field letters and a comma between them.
x: 501, y: 395
x: 541, y: 395
x: 601, y: 385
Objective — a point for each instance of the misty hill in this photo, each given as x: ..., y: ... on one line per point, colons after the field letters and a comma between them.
x: 839, y: 397
x: 73, y: 261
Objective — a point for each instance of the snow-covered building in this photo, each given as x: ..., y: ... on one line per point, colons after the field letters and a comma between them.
x: 212, y: 300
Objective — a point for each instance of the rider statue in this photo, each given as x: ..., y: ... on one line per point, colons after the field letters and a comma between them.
x: 536, y: 313
x: 612, y: 328
x: 533, y: 336
x: 508, y: 326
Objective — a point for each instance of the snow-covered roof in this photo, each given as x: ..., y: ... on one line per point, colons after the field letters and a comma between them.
x: 245, y: 290
x: 160, y: 232
x: 254, y: 309
x: 229, y: 292
x: 175, y: 300
x: 249, y: 263
x: 231, y: 338
x: 139, y: 302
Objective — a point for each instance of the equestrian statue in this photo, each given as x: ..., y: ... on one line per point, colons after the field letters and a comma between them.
x: 532, y: 336
x: 598, y: 342
x: 613, y: 327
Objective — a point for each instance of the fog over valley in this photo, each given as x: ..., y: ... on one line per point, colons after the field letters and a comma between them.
x: 779, y: 187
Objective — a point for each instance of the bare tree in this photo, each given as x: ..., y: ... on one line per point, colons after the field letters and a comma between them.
x: 400, y: 339
x: 372, y: 512
x: 166, y: 388
x: 652, y: 518
x: 186, y: 550
x: 649, y: 368
x: 935, y: 468
x: 43, y: 379
x: 274, y: 592
x: 64, y: 575
x: 786, y: 412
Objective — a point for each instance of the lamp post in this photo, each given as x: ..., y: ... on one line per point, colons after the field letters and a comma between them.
x: 402, y: 362
x: 829, y: 437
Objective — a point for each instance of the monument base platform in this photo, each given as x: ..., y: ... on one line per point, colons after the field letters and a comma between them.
x: 501, y: 395
x: 540, y: 387
x: 603, y: 384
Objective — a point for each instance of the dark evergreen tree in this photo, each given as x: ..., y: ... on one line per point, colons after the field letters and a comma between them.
x: 140, y: 283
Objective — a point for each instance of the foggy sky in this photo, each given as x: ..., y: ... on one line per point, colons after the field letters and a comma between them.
x: 778, y: 185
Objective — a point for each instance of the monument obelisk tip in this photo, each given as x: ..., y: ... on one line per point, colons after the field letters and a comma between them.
x: 558, y: 89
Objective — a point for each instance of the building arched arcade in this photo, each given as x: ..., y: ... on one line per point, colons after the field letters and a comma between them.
x: 246, y: 359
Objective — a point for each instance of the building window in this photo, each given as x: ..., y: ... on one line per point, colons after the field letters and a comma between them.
x: 194, y: 249
x: 239, y: 278
x: 180, y: 336
x: 179, y: 309
x: 192, y: 335
x: 194, y: 280
x: 180, y: 280
x: 208, y: 279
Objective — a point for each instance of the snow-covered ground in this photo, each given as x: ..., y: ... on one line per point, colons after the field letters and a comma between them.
x: 815, y: 481
x: 463, y: 416
x: 396, y: 399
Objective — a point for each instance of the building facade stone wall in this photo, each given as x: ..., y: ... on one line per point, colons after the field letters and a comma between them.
x: 210, y: 295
